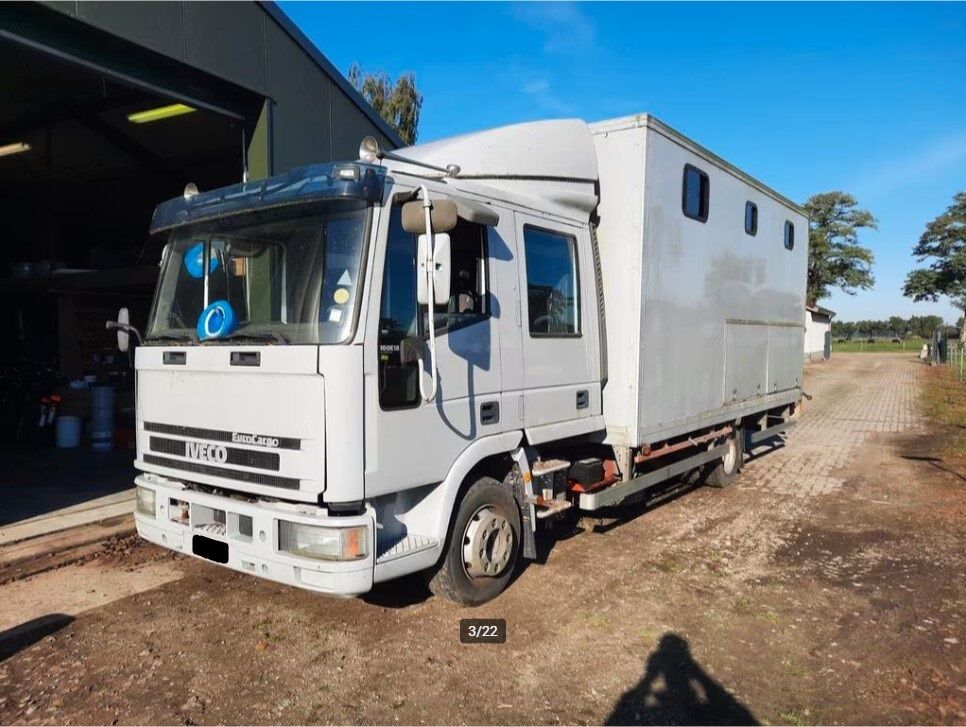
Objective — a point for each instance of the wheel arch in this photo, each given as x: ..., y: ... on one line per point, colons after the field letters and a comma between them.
x: 482, y: 457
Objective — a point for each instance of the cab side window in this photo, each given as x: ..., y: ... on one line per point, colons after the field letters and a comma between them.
x: 400, y: 317
x: 553, y: 304
x: 468, y: 300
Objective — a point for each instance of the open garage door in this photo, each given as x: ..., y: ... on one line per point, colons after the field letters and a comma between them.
x: 84, y: 159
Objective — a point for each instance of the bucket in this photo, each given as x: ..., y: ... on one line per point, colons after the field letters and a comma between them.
x: 67, y: 432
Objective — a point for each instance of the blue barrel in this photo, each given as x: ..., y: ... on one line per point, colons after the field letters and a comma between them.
x: 101, y: 427
x: 67, y: 432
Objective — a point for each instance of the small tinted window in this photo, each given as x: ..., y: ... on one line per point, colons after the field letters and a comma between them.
x: 552, y: 283
x: 789, y: 235
x: 695, y: 194
x: 751, y: 218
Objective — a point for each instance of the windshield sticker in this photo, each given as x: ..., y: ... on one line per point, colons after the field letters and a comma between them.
x: 217, y: 320
x: 194, y: 261
x: 335, y: 315
x: 341, y: 296
x: 346, y: 279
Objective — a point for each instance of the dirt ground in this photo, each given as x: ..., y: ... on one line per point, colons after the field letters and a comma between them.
x: 824, y: 586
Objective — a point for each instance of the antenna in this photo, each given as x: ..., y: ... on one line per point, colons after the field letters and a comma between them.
x: 370, y: 151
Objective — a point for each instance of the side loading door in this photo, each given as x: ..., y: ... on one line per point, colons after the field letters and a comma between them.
x: 559, y: 328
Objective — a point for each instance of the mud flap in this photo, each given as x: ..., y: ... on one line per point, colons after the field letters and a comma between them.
x: 519, y: 479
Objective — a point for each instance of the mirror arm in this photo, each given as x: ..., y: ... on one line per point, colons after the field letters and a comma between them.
x: 430, y: 270
x: 127, y: 328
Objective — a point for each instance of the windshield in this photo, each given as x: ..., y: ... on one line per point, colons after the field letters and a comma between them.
x: 277, y: 277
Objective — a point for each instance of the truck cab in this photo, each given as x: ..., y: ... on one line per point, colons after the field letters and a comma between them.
x: 305, y: 414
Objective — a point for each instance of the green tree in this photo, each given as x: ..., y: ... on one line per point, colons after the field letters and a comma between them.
x: 398, y: 102
x: 835, y: 258
x: 944, y: 244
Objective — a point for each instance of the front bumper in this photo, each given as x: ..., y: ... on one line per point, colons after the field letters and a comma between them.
x: 257, y: 554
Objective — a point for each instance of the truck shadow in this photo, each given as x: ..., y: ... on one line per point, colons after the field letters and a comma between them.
x: 676, y: 690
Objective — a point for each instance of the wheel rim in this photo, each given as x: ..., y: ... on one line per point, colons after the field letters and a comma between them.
x: 487, y: 543
x: 730, y: 458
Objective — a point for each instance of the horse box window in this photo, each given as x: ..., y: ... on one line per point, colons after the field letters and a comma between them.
x: 751, y: 218
x: 695, y: 194
x: 789, y: 235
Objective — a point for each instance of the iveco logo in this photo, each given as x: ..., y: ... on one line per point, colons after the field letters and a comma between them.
x: 256, y: 439
x: 207, y: 452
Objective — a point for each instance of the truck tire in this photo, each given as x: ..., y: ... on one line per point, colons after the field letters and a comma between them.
x: 726, y: 469
x: 484, y: 542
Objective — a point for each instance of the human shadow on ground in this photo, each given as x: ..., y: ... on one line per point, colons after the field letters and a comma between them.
x: 19, y: 637
x: 676, y: 690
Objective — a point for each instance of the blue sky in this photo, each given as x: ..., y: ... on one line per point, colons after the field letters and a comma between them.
x: 869, y: 98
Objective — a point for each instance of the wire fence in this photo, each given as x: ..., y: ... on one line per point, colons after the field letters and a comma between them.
x: 956, y: 360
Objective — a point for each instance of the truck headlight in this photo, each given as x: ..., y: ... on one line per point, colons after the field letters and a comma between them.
x: 145, y: 501
x: 323, y: 543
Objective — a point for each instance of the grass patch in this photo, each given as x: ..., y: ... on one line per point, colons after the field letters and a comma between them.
x: 944, y: 403
x: 743, y: 605
x: 797, y: 717
x: 769, y: 616
x: 909, y: 345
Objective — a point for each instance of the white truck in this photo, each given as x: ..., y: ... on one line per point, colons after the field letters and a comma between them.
x: 360, y: 370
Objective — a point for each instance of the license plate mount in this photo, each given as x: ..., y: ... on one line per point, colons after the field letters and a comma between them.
x: 209, y: 549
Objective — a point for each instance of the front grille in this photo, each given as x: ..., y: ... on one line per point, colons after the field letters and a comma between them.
x: 240, y: 457
x: 252, y: 478
x: 218, y: 435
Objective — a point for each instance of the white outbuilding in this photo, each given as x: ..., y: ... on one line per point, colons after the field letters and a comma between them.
x: 818, y: 333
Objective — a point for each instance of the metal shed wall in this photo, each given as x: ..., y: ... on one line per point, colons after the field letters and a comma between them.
x: 315, y: 114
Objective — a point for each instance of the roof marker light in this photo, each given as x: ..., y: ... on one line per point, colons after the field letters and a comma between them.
x: 162, y: 112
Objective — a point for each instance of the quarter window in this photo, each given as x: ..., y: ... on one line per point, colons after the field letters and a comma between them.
x: 695, y: 194
x: 789, y: 235
x: 553, y: 303
x: 751, y: 218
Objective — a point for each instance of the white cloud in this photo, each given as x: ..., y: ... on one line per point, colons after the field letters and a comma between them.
x: 913, y: 168
x: 541, y: 93
x: 566, y: 29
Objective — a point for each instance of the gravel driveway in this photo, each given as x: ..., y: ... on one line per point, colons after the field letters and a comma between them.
x: 824, y: 586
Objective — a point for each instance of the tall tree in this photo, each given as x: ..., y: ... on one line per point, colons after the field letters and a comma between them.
x: 944, y: 243
x: 835, y: 258
x: 398, y: 102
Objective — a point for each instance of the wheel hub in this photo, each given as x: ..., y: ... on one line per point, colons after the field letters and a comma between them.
x: 487, y: 543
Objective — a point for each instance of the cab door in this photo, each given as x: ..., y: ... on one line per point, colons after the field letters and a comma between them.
x: 559, y: 328
x: 411, y: 442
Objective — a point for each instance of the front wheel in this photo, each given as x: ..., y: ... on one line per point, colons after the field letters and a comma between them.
x: 483, y: 545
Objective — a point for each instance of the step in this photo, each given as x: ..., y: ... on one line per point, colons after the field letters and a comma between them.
x: 407, y: 546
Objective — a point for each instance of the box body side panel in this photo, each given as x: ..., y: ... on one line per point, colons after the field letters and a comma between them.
x: 723, y: 309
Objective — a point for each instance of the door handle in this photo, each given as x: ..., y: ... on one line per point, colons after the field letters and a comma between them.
x: 489, y: 412
x: 583, y: 399
x: 175, y: 358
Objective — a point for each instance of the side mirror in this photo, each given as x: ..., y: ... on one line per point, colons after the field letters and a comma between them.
x: 442, y: 216
x: 441, y: 273
x: 124, y: 330
x: 123, y: 337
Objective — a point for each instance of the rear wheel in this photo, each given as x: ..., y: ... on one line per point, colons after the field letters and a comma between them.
x: 483, y: 545
x: 726, y: 469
